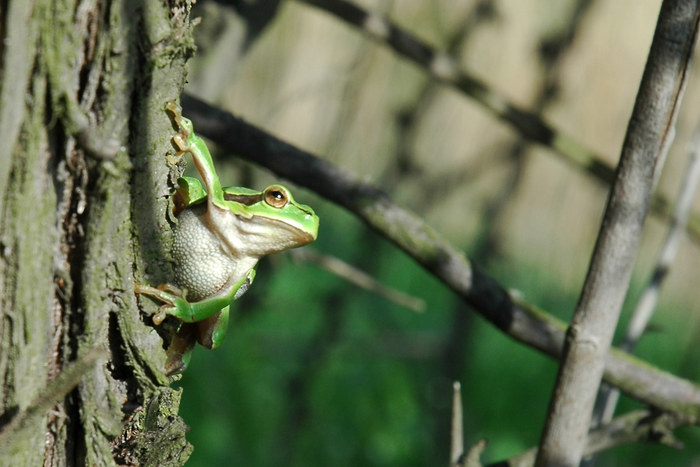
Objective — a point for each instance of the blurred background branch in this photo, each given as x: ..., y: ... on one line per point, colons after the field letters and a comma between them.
x: 444, y: 68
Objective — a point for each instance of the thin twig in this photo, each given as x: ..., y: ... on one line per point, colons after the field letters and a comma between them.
x: 608, y: 396
x: 457, y: 431
x: 446, y: 69
x: 667, y: 255
x: 515, y: 317
x: 56, y: 390
x: 473, y: 456
x: 649, y: 133
x: 360, y: 278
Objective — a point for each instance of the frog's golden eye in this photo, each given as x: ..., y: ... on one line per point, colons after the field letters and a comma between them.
x: 276, y: 196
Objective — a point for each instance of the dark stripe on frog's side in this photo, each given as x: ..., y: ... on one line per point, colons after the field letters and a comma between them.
x: 247, y: 200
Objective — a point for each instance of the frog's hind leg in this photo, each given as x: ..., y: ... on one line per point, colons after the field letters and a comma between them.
x: 179, y: 351
x: 212, y: 331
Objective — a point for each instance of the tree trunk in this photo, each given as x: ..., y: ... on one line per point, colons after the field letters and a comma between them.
x: 83, y: 185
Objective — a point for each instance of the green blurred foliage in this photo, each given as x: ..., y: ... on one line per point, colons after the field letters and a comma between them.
x: 315, y: 371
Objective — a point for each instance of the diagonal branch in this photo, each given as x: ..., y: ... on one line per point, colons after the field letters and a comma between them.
x: 649, y: 135
x: 520, y: 320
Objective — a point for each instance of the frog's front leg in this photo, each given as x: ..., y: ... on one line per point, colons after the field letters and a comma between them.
x: 176, y: 304
x: 187, y: 141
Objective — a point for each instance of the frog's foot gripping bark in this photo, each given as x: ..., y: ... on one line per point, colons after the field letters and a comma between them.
x: 167, y: 293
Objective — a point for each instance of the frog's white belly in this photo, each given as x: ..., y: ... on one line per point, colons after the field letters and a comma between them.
x: 203, y: 266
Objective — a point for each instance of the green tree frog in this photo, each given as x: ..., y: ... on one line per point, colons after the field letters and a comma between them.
x: 220, y: 235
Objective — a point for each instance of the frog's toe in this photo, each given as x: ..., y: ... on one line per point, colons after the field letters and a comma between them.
x: 159, y: 317
x: 171, y: 289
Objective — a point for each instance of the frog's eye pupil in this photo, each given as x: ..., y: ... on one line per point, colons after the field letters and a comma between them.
x: 276, y: 197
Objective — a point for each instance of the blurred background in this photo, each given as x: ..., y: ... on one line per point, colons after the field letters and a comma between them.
x: 318, y: 371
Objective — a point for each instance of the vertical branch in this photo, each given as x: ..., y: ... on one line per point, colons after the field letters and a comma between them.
x: 650, y: 130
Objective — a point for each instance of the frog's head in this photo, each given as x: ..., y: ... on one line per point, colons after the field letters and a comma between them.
x: 272, y: 220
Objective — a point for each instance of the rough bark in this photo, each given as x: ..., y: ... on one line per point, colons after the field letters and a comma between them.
x: 83, y: 87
